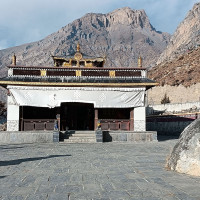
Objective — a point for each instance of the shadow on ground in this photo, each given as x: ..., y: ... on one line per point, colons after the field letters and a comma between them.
x: 2, y: 177
x: 19, y: 161
x: 168, y: 137
x: 6, y: 147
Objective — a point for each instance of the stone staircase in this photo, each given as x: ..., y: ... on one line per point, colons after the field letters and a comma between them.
x: 81, y: 137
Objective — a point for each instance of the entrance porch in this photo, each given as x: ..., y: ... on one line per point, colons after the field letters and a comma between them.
x: 75, y: 116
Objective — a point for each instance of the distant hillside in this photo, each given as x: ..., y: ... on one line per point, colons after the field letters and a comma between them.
x: 186, y: 36
x: 178, y: 68
x: 184, y: 70
x: 121, y: 36
x: 178, y: 79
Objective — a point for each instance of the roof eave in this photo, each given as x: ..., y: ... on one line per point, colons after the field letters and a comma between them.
x: 64, y: 84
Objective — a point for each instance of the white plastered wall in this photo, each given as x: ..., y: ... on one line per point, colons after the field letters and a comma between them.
x: 12, y: 115
x: 140, y: 119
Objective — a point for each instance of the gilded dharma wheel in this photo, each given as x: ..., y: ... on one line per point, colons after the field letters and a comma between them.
x: 78, y: 56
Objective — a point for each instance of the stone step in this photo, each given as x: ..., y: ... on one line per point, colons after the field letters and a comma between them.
x: 80, y: 140
x: 80, y: 132
x: 82, y: 135
x: 77, y: 138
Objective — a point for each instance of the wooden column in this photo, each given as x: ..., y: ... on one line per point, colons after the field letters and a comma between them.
x: 58, y: 118
x: 132, y: 119
x: 95, y: 118
x: 21, y: 112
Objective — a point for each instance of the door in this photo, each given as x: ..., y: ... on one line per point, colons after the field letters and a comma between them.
x: 77, y: 116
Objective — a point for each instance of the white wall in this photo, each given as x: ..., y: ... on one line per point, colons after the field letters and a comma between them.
x: 176, y: 94
x: 173, y: 107
x: 140, y: 119
x: 12, y: 115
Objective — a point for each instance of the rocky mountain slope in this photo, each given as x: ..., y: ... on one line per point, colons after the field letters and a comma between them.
x: 178, y: 79
x: 184, y: 70
x: 121, y: 36
x: 178, y: 68
x: 186, y: 36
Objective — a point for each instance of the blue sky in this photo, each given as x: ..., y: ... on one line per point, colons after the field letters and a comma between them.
x: 24, y: 21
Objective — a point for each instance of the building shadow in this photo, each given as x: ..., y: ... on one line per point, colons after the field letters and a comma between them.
x: 107, y: 137
x: 162, y: 138
x: 2, y: 177
x: 2, y: 147
x: 169, y: 127
x: 19, y: 161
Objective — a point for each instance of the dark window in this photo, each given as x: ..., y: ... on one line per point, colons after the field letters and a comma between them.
x: 114, y: 113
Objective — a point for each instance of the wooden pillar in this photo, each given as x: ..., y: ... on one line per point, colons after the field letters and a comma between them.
x: 14, y: 60
x: 58, y: 118
x: 21, y: 118
x: 132, y: 119
x: 95, y: 118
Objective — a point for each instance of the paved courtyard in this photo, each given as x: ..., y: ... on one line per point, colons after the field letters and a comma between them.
x: 92, y: 171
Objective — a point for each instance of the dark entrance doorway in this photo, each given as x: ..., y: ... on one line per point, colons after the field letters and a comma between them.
x: 77, y: 116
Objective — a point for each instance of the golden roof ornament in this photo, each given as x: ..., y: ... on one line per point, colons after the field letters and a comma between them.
x: 14, y: 60
x: 78, y: 47
x: 78, y: 56
x: 78, y: 60
x: 140, y: 61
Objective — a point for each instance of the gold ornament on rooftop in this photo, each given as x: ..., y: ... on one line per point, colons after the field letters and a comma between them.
x: 78, y: 56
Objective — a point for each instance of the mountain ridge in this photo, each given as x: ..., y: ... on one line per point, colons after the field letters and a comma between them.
x: 121, y: 35
x: 178, y: 68
x: 179, y: 63
x: 183, y: 70
x: 186, y: 36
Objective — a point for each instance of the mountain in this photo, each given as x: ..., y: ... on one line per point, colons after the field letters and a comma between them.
x: 121, y: 36
x: 186, y: 36
x: 178, y: 79
x: 183, y: 70
x: 178, y: 68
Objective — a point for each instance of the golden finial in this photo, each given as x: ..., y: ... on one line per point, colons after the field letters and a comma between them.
x: 140, y: 61
x: 78, y: 56
x: 14, y: 60
x: 78, y: 47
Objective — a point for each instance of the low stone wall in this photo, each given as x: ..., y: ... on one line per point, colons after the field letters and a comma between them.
x: 168, y: 128
x: 19, y: 137
x: 129, y: 136
x: 168, y: 125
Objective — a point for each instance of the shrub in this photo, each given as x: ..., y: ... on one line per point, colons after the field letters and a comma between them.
x: 165, y: 99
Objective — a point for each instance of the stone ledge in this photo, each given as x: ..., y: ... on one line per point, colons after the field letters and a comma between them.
x: 129, y: 136
x: 20, y: 137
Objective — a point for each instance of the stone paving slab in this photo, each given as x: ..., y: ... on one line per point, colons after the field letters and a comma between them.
x: 101, y: 171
